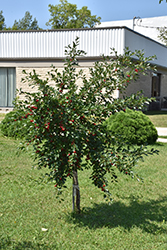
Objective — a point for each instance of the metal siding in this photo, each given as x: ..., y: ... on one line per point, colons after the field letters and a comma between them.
x: 51, y: 44
x: 150, y: 47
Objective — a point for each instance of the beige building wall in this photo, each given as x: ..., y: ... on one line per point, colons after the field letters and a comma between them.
x: 43, y: 74
x: 42, y: 70
x: 143, y: 83
x: 42, y: 67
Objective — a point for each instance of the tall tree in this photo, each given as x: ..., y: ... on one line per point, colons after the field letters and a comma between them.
x: 66, y: 15
x: 26, y: 23
x: 2, y: 21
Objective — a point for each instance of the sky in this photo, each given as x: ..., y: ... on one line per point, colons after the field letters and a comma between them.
x: 108, y: 10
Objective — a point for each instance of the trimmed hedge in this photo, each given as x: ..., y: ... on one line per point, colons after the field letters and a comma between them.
x: 133, y: 126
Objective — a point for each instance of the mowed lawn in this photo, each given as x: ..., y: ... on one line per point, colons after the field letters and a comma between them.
x: 2, y: 116
x: 31, y: 217
x: 158, y: 118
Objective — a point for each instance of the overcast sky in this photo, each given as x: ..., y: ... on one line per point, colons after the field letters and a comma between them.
x: 108, y: 10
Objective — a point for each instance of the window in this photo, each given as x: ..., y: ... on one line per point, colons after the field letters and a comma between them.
x: 7, y: 86
x: 156, y: 80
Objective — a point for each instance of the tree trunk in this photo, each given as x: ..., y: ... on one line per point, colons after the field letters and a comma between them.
x: 76, y: 192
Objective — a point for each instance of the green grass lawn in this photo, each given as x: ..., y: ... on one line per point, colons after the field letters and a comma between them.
x: 2, y: 116
x: 158, y: 118
x: 137, y: 218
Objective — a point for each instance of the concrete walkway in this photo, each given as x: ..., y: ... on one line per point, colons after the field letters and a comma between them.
x: 162, y: 132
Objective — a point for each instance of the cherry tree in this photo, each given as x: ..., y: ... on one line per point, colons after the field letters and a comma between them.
x: 65, y: 119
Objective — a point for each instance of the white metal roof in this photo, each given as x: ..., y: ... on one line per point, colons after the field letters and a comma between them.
x: 145, y: 26
x: 15, y: 45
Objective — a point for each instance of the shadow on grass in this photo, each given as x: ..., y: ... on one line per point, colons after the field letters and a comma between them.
x: 149, y: 216
x: 7, y: 243
x: 161, y: 144
x: 155, y: 112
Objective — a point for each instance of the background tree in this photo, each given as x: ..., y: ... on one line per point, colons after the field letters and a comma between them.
x: 65, y: 122
x: 26, y: 23
x: 163, y: 34
x: 66, y: 15
x: 2, y: 21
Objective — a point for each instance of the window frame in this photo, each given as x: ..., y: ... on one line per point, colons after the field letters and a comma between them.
x: 7, y: 86
x: 156, y: 85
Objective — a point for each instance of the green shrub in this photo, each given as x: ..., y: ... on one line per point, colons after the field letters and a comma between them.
x: 12, y: 124
x: 134, y: 127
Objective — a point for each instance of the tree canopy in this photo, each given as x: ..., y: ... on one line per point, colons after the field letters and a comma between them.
x: 26, y: 23
x: 2, y: 21
x: 163, y: 34
x: 66, y: 15
x: 163, y: 31
x: 63, y: 16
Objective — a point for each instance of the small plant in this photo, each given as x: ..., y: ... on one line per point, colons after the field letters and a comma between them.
x: 12, y: 125
x: 133, y: 126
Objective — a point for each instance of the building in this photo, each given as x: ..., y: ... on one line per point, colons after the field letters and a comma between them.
x: 146, y: 26
x: 39, y: 49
